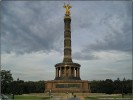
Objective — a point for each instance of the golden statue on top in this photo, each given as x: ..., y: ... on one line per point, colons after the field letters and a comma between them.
x: 67, y: 9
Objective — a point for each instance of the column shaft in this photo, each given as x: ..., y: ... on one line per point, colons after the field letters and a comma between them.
x: 67, y: 40
x: 60, y: 71
x: 74, y: 72
x: 64, y: 71
x: 70, y: 71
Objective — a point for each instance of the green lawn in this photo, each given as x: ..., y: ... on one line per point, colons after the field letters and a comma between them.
x: 19, y: 97
x: 108, y: 96
x: 46, y: 97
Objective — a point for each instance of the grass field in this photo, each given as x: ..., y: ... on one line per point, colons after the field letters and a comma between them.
x: 28, y: 97
x: 90, y: 96
x: 110, y: 97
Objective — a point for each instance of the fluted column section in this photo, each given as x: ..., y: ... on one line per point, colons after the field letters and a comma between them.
x: 65, y: 71
x: 58, y: 73
x: 67, y: 39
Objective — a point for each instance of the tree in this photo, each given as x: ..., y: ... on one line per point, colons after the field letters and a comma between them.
x: 94, y: 86
x: 125, y: 85
x: 17, y: 87
x: 129, y: 86
x: 97, y: 86
x: 109, y: 87
x: 117, y: 86
x: 6, y: 79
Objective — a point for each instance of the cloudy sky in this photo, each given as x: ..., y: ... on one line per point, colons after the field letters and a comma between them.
x: 32, y: 38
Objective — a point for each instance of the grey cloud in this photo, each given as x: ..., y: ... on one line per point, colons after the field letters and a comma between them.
x: 109, y: 71
x: 112, y: 27
x: 30, y: 26
x: 84, y: 56
x: 118, y: 28
x: 118, y: 41
x: 124, y: 60
x: 114, y: 76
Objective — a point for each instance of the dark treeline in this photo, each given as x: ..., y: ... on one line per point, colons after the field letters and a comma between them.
x: 108, y: 86
x: 21, y: 87
x: 10, y: 86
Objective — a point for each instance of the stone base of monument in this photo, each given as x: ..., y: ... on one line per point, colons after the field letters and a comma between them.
x: 67, y: 86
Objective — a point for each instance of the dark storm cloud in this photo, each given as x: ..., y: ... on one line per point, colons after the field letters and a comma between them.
x: 115, y: 39
x: 30, y: 26
x: 107, y: 27
x: 117, y: 34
